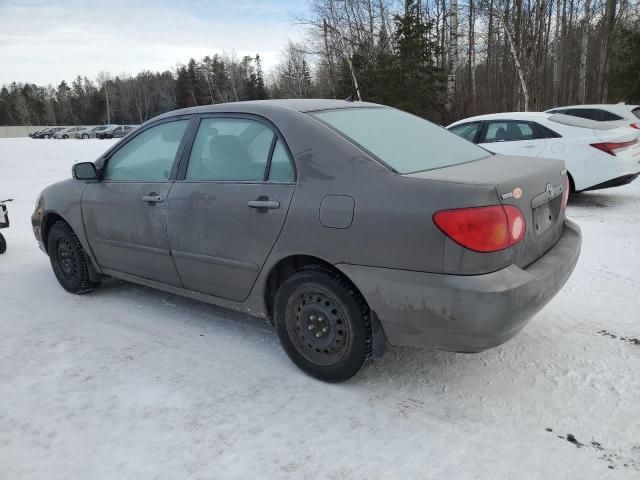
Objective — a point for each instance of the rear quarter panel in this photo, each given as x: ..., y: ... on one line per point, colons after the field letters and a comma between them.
x: 392, y: 222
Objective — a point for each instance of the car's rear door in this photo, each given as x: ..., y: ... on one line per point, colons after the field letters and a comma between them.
x: 124, y: 213
x: 512, y: 137
x: 229, y: 204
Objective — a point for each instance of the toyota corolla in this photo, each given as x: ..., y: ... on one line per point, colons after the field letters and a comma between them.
x: 349, y: 226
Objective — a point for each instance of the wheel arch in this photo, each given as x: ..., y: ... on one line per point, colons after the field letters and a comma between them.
x: 287, y: 266
x: 48, y: 220
x: 283, y: 269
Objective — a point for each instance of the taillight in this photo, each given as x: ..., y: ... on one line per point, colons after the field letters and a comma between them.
x: 635, y: 125
x: 566, y: 188
x: 613, y: 147
x: 483, y: 229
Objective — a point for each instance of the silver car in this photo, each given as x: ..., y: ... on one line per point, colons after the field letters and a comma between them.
x: 93, y: 132
x: 349, y: 226
x: 70, y: 132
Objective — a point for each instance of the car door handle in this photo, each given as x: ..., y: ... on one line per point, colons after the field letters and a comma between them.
x: 269, y: 204
x: 153, y: 198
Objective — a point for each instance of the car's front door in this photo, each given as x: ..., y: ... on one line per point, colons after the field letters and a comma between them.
x: 229, y: 204
x: 125, y: 212
x: 512, y: 137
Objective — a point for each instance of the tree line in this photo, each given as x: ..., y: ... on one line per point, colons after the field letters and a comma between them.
x: 440, y: 59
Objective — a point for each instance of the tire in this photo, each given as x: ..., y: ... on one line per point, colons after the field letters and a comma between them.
x: 323, y: 323
x: 85, y: 136
x: 65, y: 137
x: 68, y: 260
x: 47, y: 137
x: 3, y: 244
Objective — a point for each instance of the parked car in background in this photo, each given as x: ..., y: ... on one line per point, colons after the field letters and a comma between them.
x: 70, y: 132
x: 620, y: 114
x: 115, y: 131
x: 92, y: 132
x: 48, y: 132
x: 253, y: 206
x: 37, y: 132
x: 597, y: 155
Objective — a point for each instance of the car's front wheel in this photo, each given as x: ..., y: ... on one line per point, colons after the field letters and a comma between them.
x: 3, y: 244
x: 85, y: 136
x: 323, y: 324
x: 65, y: 137
x: 68, y: 260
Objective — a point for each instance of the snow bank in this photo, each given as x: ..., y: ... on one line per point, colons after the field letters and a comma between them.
x: 128, y: 382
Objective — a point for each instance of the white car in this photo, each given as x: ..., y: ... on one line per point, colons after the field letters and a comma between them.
x: 71, y: 132
x: 620, y: 114
x: 597, y: 155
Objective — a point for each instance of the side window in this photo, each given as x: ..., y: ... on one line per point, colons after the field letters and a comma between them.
x: 508, y: 131
x: 596, y: 114
x: 231, y: 149
x: 543, y: 132
x: 467, y: 131
x: 606, y: 116
x: 149, y: 156
x: 281, y: 169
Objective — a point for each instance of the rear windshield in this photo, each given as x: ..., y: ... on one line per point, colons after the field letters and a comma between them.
x: 636, y: 112
x: 403, y: 142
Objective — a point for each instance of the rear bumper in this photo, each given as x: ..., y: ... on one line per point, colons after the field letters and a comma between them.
x: 616, y: 182
x: 465, y: 313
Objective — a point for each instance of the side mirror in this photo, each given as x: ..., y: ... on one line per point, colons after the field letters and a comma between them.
x: 85, y: 171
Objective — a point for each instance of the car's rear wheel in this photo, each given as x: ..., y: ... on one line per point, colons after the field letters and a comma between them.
x: 65, y: 137
x: 85, y: 136
x: 3, y: 244
x: 323, y: 324
x: 68, y: 260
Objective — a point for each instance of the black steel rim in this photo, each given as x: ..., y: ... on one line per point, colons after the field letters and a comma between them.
x: 317, y: 326
x: 66, y: 258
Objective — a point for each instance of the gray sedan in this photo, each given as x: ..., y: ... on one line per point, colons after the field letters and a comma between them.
x: 349, y: 226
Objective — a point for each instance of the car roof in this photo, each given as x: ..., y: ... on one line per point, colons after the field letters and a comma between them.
x: 600, y: 105
x: 504, y: 116
x: 264, y: 106
x: 619, y: 108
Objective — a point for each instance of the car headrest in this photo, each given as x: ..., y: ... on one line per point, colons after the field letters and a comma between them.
x: 227, y: 147
x: 513, y: 132
x: 501, y: 134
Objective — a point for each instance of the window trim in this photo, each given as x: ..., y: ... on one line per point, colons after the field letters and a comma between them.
x: 186, y: 153
x: 174, y: 167
x: 476, y: 136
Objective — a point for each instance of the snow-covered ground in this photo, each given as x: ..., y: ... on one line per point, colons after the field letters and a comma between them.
x: 128, y: 382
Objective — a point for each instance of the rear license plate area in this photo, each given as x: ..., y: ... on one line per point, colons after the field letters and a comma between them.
x: 542, y: 218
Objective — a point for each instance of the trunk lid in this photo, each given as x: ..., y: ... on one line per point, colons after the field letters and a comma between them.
x: 534, y: 185
x: 620, y: 136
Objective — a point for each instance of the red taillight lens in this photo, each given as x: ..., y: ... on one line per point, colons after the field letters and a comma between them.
x: 613, y: 147
x: 635, y: 125
x: 566, y: 188
x: 483, y: 229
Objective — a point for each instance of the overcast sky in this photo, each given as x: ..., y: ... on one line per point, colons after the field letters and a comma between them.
x: 46, y: 42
